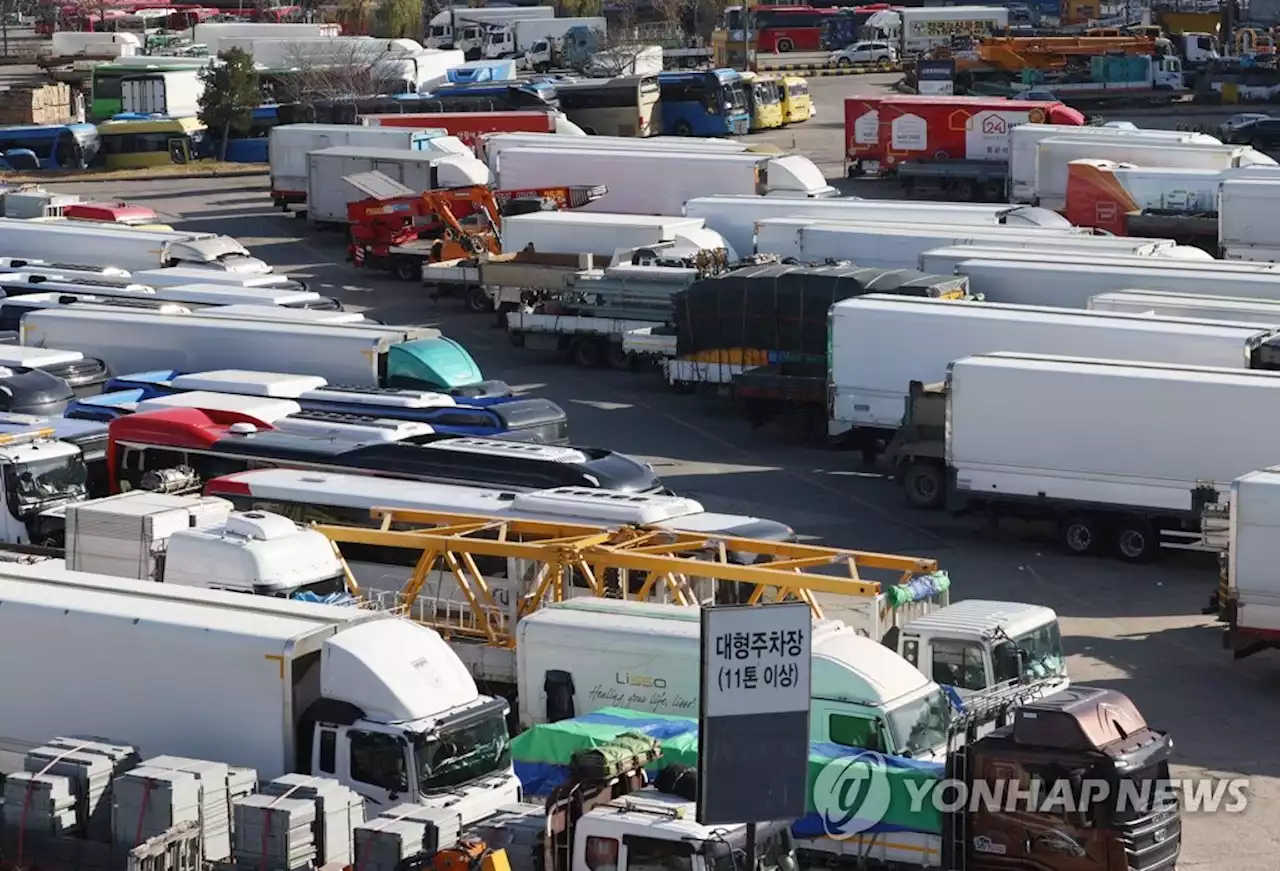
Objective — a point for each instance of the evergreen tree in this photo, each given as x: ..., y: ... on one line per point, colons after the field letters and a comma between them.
x: 231, y: 91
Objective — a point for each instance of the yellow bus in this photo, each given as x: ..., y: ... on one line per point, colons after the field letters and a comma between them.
x: 764, y: 96
x: 127, y: 144
x: 796, y: 105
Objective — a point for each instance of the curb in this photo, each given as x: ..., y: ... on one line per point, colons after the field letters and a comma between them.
x: 94, y: 178
x: 828, y: 70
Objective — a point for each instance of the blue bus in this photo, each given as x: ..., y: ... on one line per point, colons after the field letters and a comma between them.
x: 487, y: 97
x: 704, y: 103
x: 68, y: 146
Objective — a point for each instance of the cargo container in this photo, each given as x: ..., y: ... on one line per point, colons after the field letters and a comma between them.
x: 494, y: 144
x: 735, y: 217
x: 1252, y: 606
x: 1265, y: 312
x: 1023, y: 438
x: 1024, y: 139
x: 658, y: 182
x: 602, y: 235
x: 1070, y: 282
x: 276, y: 667
x: 103, y: 245
x: 880, y: 343
x: 329, y: 194
x: 882, y: 133
x: 471, y: 126
x: 899, y: 246
x: 945, y: 260
x: 289, y: 144
x: 1246, y: 225
x: 1054, y: 154
x: 923, y: 29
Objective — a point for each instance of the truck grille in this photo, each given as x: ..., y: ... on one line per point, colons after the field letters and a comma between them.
x: 1154, y: 842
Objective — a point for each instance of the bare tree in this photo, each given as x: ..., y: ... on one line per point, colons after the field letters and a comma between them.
x: 342, y: 68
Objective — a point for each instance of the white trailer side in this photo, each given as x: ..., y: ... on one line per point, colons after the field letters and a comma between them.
x: 1264, y: 312
x: 943, y: 261
x: 1246, y: 220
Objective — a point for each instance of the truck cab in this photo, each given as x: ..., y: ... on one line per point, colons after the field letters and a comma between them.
x: 39, y: 475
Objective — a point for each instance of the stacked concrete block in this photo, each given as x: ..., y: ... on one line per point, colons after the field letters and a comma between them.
x: 149, y: 801
x: 90, y: 777
x: 339, y: 810
x: 404, y: 831
x: 517, y: 828
x: 215, y: 809
x: 43, y: 803
x: 274, y: 834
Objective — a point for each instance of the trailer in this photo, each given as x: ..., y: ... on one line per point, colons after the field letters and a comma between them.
x: 329, y: 193
x: 1022, y: 439
x: 289, y: 145
x: 630, y: 176
x: 501, y: 282
x: 471, y: 127
x: 1265, y: 312
x: 1053, y: 155
x: 945, y: 260
x: 1251, y: 605
x: 1069, y: 283
x: 923, y: 29
x: 104, y: 245
x: 600, y: 234
x: 494, y: 144
x: 881, y: 343
x: 735, y: 217
x: 899, y: 246
x: 1243, y: 228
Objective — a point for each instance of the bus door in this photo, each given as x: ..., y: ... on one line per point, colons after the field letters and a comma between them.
x: 180, y: 149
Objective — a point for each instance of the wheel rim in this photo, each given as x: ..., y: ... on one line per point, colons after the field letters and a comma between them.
x: 1079, y: 537
x: 926, y: 488
x: 1132, y: 543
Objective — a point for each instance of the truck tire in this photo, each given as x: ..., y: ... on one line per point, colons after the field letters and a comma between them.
x: 785, y: 45
x: 1136, y: 540
x: 406, y: 268
x: 477, y: 300
x: 683, y: 128
x: 1081, y: 534
x: 617, y: 358
x: 586, y: 353
x: 925, y: 485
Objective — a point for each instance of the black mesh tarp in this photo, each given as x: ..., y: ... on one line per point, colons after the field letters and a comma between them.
x: 783, y: 309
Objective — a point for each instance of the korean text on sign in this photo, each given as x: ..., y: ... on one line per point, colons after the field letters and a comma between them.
x: 751, y: 660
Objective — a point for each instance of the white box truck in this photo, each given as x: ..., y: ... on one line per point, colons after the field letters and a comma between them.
x: 211, y: 33
x: 899, y: 246
x: 943, y: 261
x: 658, y: 182
x: 1265, y: 312
x: 274, y: 685
x: 130, y: 249
x: 927, y: 28
x: 329, y: 194
x: 171, y: 92
x: 1118, y: 454
x: 1070, y: 282
x: 1246, y: 223
x: 1024, y: 139
x: 493, y: 144
x: 515, y: 38
x: 735, y: 216
x: 602, y: 234
x: 464, y: 28
x: 1253, y: 542
x: 178, y: 275
x: 361, y: 355
x: 1054, y: 154
x: 880, y: 343
x: 289, y: 144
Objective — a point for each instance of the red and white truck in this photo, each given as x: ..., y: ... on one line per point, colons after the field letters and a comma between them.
x: 471, y: 126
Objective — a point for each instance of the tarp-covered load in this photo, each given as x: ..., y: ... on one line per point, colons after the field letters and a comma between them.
x: 783, y: 309
x: 543, y: 758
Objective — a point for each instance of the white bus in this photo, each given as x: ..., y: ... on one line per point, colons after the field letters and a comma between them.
x: 623, y: 106
x: 327, y: 497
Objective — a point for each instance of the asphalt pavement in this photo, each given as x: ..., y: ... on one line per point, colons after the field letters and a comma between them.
x: 1135, y: 629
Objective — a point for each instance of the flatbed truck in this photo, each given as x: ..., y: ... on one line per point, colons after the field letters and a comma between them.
x: 502, y: 282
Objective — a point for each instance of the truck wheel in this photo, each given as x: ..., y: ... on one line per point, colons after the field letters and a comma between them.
x: 478, y: 301
x: 925, y: 486
x: 785, y: 45
x: 586, y: 353
x: 683, y: 128
x: 1081, y: 533
x: 617, y: 358
x: 406, y: 269
x: 516, y: 339
x: 1136, y: 541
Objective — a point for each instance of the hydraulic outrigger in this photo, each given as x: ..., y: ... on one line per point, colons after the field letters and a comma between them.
x: 628, y: 562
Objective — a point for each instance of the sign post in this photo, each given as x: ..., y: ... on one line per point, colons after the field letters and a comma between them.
x: 753, y: 725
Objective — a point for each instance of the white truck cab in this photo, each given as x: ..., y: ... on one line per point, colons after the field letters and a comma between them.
x: 39, y: 476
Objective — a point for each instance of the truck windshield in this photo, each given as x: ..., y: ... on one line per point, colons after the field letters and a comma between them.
x: 322, y: 590
x: 920, y: 727
x: 454, y: 756
x: 1141, y: 792
x: 1042, y: 657
x: 37, y: 483
x: 775, y: 849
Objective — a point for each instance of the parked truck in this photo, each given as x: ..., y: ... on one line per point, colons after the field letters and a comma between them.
x: 1053, y: 155
x: 899, y: 246
x: 289, y: 146
x: 500, y: 282
x: 1250, y: 610
x: 1069, y: 282
x: 923, y: 29
x: 302, y: 687
x: 329, y: 192
x: 629, y: 176
x: 515, y: 38
x: 1265, y: 312
x: 1243, y: 233
x: 945, y: 260
x: 1008, y: 451
x: 464, y: 29
x: 881, y: 343
x: 494, y: 144
x: 355, y: 354
x: 131, y: 249
x: 471, y: 127
x: 735, y: 216
x: 575, y: 232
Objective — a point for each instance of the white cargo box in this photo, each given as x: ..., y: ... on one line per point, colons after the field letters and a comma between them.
x: 597, y: 233
x: 1099, y: 432
x: 1265, y: 312
x: 943, y: 261
x: 125, y: 535
x: 1247, y: 221
x: 880, y: 343
x: 1254, y: 548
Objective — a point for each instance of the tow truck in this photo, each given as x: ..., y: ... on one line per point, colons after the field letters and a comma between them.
x: 401, y: 230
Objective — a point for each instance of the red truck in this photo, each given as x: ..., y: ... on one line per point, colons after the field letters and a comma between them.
x: 958, y: 144
x: 469, y: 126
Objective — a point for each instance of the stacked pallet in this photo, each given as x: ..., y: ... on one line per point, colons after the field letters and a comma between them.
x: 517, y: 828
x: 44, y: 803
x: 150, y: 801
x: 215, y: 809
x: 36, y: 104
x: 274, y: 834
x: 88, y: 766
x: 339, y: 810
x: 402, y: 832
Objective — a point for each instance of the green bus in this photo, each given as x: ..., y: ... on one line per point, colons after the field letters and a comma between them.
x: 107, y: 90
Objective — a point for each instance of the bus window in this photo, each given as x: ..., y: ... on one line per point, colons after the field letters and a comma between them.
x: 616, y: 107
